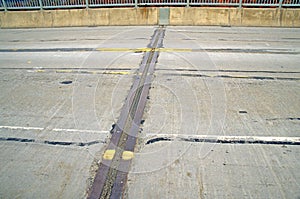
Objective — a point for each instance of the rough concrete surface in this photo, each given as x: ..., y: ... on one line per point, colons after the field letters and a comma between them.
x: 179, y: 16
x: 60, y: 96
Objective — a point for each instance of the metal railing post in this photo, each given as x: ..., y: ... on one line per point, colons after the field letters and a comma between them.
x: 41, y: 4
x: 136, y: 3
x: 280, y: 4
x: 4, y: 5
x: 240, y: 3
x: 187, y: 3
x: 86, y: 4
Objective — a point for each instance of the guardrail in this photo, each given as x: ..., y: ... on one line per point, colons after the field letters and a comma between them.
x: 55, y: 4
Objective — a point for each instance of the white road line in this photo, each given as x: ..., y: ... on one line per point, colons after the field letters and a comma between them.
x: 21, y: 128
x: 55, y: 129
x: 78, y: 130
x: 177, y: 136
x: 225, y: 138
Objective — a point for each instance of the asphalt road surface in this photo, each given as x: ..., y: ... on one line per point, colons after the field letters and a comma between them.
x: 222, y: 119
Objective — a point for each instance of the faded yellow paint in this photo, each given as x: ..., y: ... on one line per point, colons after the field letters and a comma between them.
x: 64, y: 71
x: 127, y: 155
x: 109, y: 154
x: 117, y: 72
x: 174, y: 49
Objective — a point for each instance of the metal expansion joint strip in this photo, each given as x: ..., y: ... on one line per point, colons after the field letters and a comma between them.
x: 111, y: 177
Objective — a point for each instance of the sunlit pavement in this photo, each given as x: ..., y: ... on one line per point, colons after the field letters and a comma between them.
x: 62, y: 90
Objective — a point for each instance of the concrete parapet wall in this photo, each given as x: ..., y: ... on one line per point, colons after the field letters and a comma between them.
x: 79, y: 17
x: 270, y: 17
x: 184, y: 16
x: 193, y: 16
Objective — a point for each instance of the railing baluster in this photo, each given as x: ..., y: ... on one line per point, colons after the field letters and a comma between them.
x: 4, y: 5
x: 240, y: 3
x: 41, y: 4
x: 57, y: 4
x: 280, y: 4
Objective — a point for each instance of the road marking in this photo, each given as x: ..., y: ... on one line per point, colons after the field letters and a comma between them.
x: 109, y: 154
x: 79, y: 130
x: 239, y: 76
x: 86, y: 72
x: 174, y: 50
x: 95, y: 72
x: 170, y: 137
x: 21, y: 128
x: 151, y: 138
x: 64, y: 71
x: 127, y: 155
x: 139, y: 50
x: 144, y: 49
x: 117, y: 72
x: 55, y: 129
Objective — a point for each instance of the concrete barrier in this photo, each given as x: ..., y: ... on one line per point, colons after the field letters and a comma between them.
x: 269, y: 17
x: 184, y: 16
x: 193, y: 16
x: 290, y: 18
x: 79, y: 17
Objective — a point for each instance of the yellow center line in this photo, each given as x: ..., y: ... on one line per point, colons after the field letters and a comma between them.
x: 117, y: 72
x: 144, y: 49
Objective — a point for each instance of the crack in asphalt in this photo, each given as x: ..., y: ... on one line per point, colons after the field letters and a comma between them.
x: 48, y: 142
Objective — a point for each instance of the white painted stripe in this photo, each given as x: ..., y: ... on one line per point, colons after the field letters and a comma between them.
x: 21, y: 128
x: 226, y: 138
x: 55, y: 129
x: 79, y: 130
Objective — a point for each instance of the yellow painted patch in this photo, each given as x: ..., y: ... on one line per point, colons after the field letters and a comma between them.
x: 117, y: 72
x: 109, y: 154
x: 40, y: 71
x: 142, y: 49
x: 64, y: 71
x: 174, y: 50
x: 127, y: 155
